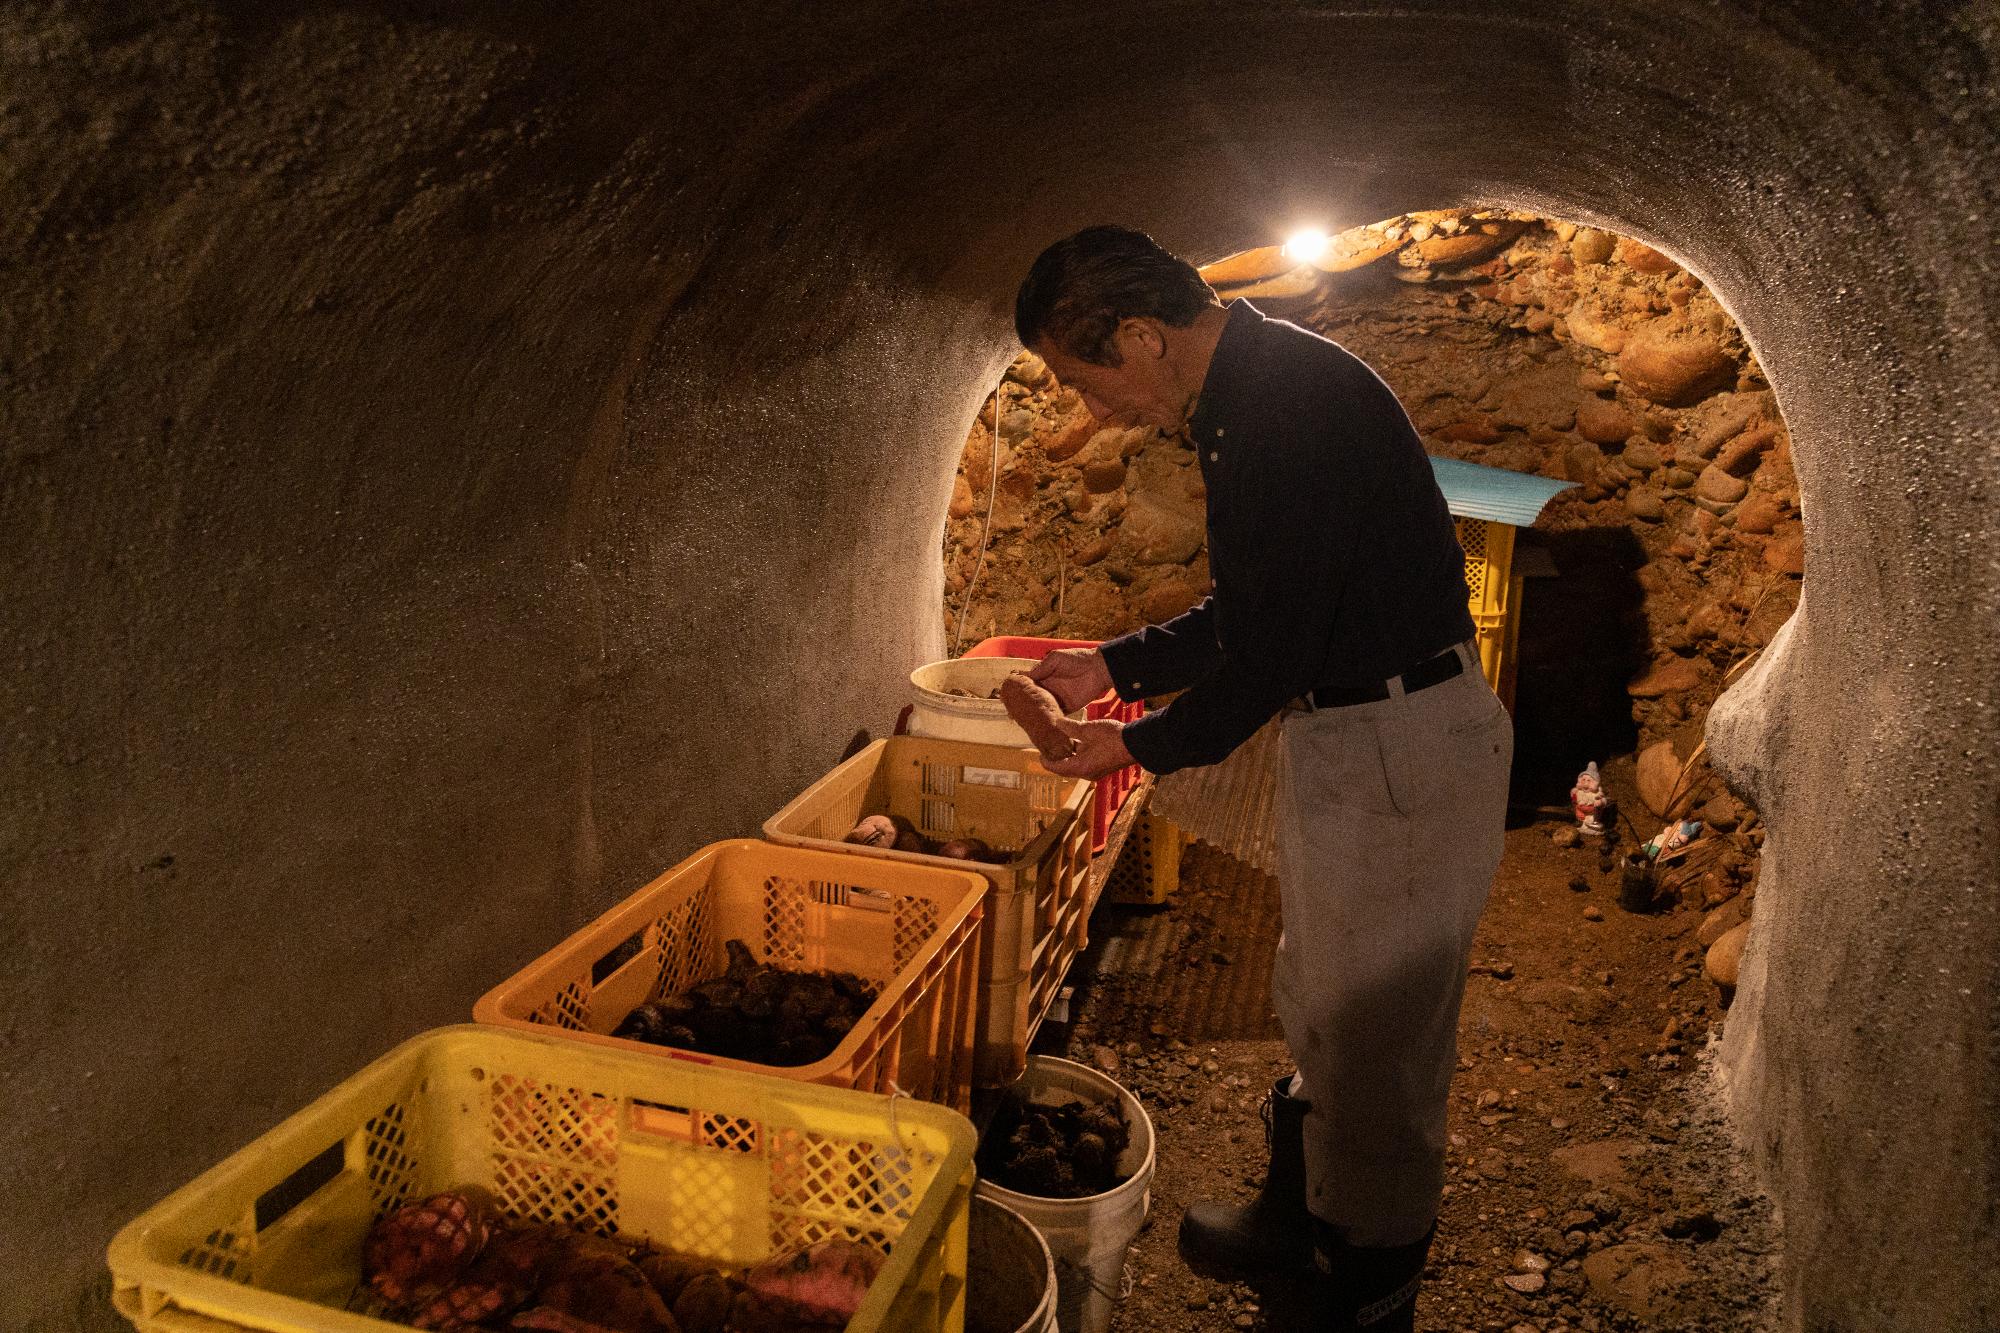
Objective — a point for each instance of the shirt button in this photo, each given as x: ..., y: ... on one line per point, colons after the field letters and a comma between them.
x: 1218, y: 432
x: 1214, y: 457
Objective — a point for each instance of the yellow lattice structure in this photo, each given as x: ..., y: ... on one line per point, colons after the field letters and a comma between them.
x: 719, y: 1166
x: 1494, y: 598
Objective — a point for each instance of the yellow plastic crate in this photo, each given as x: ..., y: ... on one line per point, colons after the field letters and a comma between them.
x: 914, y: 929
x: 721, y: 1166
x: 1037, y: 919
x: 1494, y: 598
x: 1148, y: 867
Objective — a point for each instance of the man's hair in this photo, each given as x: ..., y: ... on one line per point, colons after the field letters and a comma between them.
x: 1084, y: 285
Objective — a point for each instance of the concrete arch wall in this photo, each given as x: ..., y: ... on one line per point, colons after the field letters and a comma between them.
x: 455, y: 465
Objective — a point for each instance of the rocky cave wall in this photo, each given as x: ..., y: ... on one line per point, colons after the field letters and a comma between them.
x: 456, y: 461
x: 1516, y: 357
x: 1545, y: 348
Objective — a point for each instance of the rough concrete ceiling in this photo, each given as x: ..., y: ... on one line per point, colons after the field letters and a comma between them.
x: 457, y: 462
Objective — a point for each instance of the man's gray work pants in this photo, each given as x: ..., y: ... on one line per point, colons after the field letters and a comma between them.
x: 1389, y: 828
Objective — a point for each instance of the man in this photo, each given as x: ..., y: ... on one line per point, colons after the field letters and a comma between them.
x: 1339, y: 602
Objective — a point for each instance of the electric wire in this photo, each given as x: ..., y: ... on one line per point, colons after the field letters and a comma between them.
x: 985, y: 527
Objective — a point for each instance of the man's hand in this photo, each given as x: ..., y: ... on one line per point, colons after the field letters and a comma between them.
x: 1075, y: 676
x: 1100, y: 749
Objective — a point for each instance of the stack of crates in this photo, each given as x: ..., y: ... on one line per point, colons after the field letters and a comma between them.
x: 717, y: 1166
x: 541, y: 1108
x: 1494, y: 598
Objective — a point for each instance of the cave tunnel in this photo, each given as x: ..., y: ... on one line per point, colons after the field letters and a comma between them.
x: 1617, y: 466
x: 459, y: 461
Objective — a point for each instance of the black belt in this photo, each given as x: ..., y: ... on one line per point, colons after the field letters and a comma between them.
x: 1422, y: 676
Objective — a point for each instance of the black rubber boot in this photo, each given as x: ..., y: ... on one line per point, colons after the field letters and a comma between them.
x: 1363, y: 1289
x: 1271, y: 1233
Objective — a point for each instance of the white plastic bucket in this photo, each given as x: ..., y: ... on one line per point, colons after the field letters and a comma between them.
x: 957, y: 717
x: 1010, y: 1280
x: 1088, y: 1237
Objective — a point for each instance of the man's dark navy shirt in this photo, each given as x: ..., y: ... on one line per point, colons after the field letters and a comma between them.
x: 1331, y: 554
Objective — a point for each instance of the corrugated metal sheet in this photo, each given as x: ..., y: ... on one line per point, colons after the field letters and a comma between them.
x: 1474, y: 491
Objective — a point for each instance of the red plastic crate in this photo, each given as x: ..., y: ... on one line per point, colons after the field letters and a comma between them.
x: 1112, y: 788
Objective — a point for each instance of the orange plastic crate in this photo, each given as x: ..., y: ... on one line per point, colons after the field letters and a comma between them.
x: 913, y: 929
x: 1037, y: 919
x: 1112, y: 788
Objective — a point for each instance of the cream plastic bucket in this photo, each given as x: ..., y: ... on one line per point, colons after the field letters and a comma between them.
x: 1010, y: 1280
x: 955, y: 717
x: 1088, y: 1238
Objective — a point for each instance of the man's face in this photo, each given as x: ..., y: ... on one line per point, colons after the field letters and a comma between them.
x: 1136, y: 392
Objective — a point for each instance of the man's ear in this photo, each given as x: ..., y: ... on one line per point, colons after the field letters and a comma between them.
x: 1143, y: 338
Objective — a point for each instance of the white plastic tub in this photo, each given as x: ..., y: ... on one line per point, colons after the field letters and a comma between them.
x: 967, y: 717
x: 1010, y: 1281
x: 1087, y: 1237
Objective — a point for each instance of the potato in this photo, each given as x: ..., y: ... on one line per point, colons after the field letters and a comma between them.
x: 968, y: 849
x: 873, y: 831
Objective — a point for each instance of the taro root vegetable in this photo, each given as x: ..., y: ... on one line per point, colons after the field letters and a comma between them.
x: 703, y: 1305
x: 909, y: 840
x: 1063, y: 1150
x: 1036, y: 712
x: 824, y: 1282
x: 766, y: 1015
x: 873, y: 831
x: 418, y: 1251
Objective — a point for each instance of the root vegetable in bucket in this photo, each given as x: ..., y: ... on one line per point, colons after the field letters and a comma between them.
x: 1059, y: 1150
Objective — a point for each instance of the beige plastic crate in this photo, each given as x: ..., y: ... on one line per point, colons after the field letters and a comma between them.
x: 1037, y: 921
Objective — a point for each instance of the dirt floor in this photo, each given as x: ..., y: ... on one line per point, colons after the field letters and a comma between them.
x: 1592, y: 1185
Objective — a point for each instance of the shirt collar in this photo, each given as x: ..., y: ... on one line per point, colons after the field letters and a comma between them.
x: 1227, y: 370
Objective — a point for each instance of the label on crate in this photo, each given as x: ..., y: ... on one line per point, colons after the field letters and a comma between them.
x: 989, y: 777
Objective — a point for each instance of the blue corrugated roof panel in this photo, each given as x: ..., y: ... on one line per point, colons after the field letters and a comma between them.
x: 1472, y: 490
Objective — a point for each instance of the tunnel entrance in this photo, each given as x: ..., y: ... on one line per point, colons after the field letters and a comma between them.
x: 1518, y: 343
x: 1531, y: 346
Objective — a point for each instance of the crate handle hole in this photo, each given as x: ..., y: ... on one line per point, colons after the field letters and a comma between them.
x: 302, y: 1184
x: 617, y: 956
x: 670, y: 1122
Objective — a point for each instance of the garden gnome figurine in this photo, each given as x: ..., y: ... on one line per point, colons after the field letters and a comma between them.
x: 1587, y: 800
